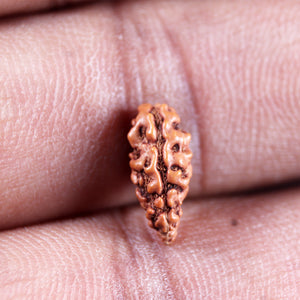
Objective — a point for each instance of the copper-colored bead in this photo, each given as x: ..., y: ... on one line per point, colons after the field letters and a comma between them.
x: 161, y: 166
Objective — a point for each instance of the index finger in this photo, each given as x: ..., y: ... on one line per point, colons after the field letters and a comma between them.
x: 71, y: 82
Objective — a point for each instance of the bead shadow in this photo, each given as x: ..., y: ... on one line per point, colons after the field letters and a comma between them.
x: 110, y: 176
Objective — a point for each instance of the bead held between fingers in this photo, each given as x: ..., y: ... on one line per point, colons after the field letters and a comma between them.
x: 160, y: 166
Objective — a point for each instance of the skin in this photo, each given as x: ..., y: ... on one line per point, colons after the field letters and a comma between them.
x: 71, y: 81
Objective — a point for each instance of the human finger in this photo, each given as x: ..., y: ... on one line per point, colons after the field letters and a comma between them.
x: 236, y: 247
x: 71, y: 82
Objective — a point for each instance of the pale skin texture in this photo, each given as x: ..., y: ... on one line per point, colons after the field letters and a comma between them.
x: 71, y: 80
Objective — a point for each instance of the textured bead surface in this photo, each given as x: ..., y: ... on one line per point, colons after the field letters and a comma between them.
x: 160, y: 166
